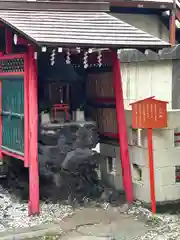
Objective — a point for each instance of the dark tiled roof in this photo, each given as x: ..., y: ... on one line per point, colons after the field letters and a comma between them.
x: 91, y: 29
x: 57, y: 5
x: 158, y: 1
x: 156, y: 4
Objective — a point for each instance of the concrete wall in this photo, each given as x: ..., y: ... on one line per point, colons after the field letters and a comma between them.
x: 148, y: 23
x: 176, y: 84
x: 113, y: 177
x: 145, y: 79
x: 166, y: 161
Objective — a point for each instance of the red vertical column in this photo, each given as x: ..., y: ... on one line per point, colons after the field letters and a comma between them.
x: 1, y: 156
x: 26, y: 112
x: 151, y: 170
x: 8, y: 40
x: 33, y: 136
x: 121, y: 122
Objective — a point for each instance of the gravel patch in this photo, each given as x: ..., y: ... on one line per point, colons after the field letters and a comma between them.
x: 14, y: 213
x: 165, y: 226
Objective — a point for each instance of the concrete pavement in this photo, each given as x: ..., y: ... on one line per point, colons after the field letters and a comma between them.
x: 86, y: 224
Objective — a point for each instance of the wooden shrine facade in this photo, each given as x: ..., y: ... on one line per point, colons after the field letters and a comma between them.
x: 77, y: 34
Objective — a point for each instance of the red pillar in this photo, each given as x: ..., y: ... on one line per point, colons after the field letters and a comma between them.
x: 8, y: 40
x: 1, y: 156
x: 121, y: 122
x: 33, y: 136
x: 26, y: 111
x: 151, y: 170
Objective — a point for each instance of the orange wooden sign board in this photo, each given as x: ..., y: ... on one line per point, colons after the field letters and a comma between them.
x: 149, y: 113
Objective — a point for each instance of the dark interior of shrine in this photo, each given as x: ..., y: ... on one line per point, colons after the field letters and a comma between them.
x: 60, y: 83
x: 67, y: 156
x: 66, y: 144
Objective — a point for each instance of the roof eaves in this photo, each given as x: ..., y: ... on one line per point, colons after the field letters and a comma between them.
x: 73, y: 6
x: 164, y: 5
x: 71, y: 29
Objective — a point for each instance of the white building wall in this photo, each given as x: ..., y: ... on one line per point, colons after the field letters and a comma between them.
x: 145, y: 79
x: 148, y: 23
x: 166, y: 160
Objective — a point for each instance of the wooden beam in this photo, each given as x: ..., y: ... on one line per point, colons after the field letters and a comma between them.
x: 172, y: 32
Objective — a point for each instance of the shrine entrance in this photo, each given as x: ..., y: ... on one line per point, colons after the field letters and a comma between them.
x: 36, y: 30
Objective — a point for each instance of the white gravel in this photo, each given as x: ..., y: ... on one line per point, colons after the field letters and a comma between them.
x: 166, y: 226
x: 14, y: 214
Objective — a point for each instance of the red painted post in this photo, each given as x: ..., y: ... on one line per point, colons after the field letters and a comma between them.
x: 151, y: 170
x: 9, y: 41
x: 26, y: 112
x: 1, y: 155
x: 33, y: 136
x: 121, y: 121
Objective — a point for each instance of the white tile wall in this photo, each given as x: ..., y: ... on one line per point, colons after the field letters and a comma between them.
x: 145, y: 79
x: 166, y: 158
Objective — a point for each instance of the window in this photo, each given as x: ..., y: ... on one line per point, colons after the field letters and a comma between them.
x: 111, y: 164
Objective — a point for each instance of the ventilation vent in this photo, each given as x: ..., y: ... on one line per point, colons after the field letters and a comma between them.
x: 111, y: 165
x: 136, y: 173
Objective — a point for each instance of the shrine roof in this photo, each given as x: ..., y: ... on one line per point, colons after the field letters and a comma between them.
x: 78, y: 29
x: 156, y: 4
